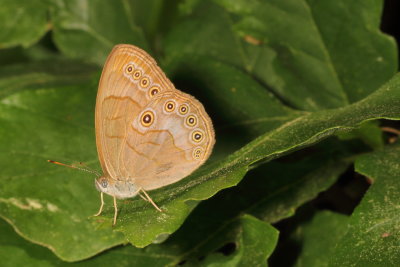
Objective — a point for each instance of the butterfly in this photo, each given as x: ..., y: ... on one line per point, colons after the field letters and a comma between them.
x: 148, y: 133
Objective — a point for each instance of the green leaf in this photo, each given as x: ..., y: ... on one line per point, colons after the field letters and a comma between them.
x: 245, y: 60
x: 369, y: 132
x: 291, y: 185
x: 57, y: 123
x: 247, y: 106
x: 256, y: 242
x: 22, y: 22
x: 373, y: 233
x: 313, y: 55
x: 318, y: 238
x: 155, y: 17
x: 38, y: 52
x: 146, y: 14
x: 43, y: 74
x: 89, y: 29
x: 16, y: 251
x: 344, y: 29
x: 270, y: 192
x: 40, y: 123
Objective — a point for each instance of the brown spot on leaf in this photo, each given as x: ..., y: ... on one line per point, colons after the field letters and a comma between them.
x: 250, y: 39
x: 385, y: 235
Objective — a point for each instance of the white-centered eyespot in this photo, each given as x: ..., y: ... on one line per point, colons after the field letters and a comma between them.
x: 144, y: 82
x: 137, y: 74
x: 197, y: 136
x: 129, y: 68
x: 169, y: 106
x: 191, y: 120
x: 147, y: 118
x: 153, y: 91
x: 183, y: 109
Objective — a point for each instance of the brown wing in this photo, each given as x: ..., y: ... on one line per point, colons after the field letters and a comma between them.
x: 130, y: 79
x: 167, y: 141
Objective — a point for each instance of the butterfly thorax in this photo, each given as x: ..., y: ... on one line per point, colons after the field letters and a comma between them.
x: 119, y: 189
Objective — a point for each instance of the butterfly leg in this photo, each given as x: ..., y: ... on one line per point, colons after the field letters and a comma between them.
x: 115, y: 210
x: 151, y: 201
x: 145, y: 199
x: 101, y: 206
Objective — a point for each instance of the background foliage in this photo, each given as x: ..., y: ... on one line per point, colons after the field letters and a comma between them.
x: 301, y: 93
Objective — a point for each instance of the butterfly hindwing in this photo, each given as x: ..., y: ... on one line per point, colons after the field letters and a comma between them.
x: 170, y: 138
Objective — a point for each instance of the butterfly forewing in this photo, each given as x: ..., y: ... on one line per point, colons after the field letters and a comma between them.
x: 130, y: 79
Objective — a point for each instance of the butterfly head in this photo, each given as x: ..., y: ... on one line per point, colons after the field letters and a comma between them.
x: 119, y: 189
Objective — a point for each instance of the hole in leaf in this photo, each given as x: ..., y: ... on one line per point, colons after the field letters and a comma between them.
x: 227, y: 249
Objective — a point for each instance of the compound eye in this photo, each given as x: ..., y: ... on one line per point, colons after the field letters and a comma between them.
x: 104, y: 183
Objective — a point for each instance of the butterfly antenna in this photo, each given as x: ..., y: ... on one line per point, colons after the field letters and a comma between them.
x: 86, y: 169
x: 89, y: 169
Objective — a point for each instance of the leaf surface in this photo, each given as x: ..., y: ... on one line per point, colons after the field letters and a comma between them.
x: 373, y: 233
x: 22, y: 22
x: 57, y: 124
